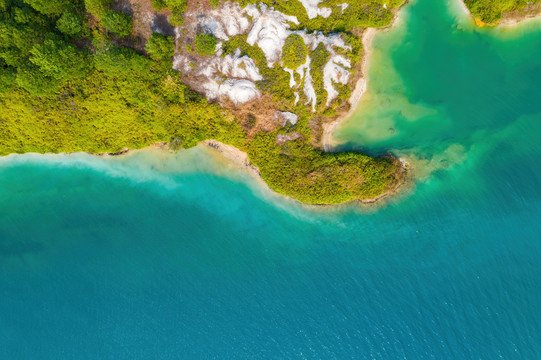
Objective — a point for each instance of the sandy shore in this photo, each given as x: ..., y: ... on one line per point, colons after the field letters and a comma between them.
x: 231, y: 155
x: 327, y: 140
x: 237, y: 157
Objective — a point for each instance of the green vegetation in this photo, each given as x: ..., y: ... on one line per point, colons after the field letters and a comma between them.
x: 177, y: 8
x: 491, y: 11
x: 160, y: 46
x: 275, y: 80
x: 205, y: 44
x: 98, y: 8
x: 118, y: 23
x: 67, y: 86
x: 49, y: 7
x: 70, y: 23
x: 360, y: 13
x: 294, y: 52
x: 158, y: 4
x: 297, y: 169
x: 319, y: 57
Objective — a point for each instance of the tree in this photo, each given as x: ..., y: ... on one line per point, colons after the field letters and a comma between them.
x: 294, y: 52
x: 160, y: 46
x: 16, y: 41
x: 70, y: 23
x: 60, y: 60
x: 120, y: 60
x: 205, y: 44
x: 158, y: 4
x: 97, y: 8
x: 7, y: 78
x: 177, y: 8
x: 30, y: 78
x: 23, y: 15
x: 49, y: 7
x: 118, y: 23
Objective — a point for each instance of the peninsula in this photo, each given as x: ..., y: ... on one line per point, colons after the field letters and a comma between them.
x: 269, y: 78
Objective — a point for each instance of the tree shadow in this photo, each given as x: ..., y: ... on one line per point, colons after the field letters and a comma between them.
x: 161, y: 24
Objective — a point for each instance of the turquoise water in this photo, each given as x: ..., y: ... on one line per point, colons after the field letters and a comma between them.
x: 156, y: 256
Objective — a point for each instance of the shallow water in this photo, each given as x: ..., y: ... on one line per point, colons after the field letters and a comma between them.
x: 183, y: 256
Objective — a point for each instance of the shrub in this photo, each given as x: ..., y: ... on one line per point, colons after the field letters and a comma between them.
x: 177, y: 8
x: 97, y: 8
x: 60, y: 60
x: 7, y: 79
x: 490, y: 11
x: 118, y: 23
x: 294, y: 52
x: 205, y: 44
x: 33, y: 80
x: 158, y: 4
x: 116, y: 60
x: 49, y: 7
x: 319, y: 58
x: 160, y: 46
x: 70, y: 23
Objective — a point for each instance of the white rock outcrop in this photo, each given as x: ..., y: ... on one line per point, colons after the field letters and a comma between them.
x: 239, y: 91
x: 226, y: 21
x: 286, y: 117
x: 235, y: 76
x: 270, y: 31
x: 335, y: 72
x: 313, y: 10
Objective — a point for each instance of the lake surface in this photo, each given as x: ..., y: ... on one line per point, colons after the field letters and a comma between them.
x: 168, y: 256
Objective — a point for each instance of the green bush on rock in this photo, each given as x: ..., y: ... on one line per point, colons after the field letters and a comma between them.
x: 70, y: 23
x: 294, y: 52
x: 205, y: 44
x: 118, y: 23
x: 160, y: 46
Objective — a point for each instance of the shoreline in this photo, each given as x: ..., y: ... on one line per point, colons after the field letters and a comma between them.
x: 327, y: 141
x: 507, y: 21
x: 241, y: 160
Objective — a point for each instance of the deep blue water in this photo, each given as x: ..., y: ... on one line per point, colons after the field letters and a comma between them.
x: 156, y: 256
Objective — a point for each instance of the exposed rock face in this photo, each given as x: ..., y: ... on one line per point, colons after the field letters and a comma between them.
x: 313, y: 10
x: 239, y: 91
x: 235, y: 76
x: 286, y: 117
x: 335, y: 72
x: 226, y: 21
x: 269, y: 31
x: 231, y: 76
